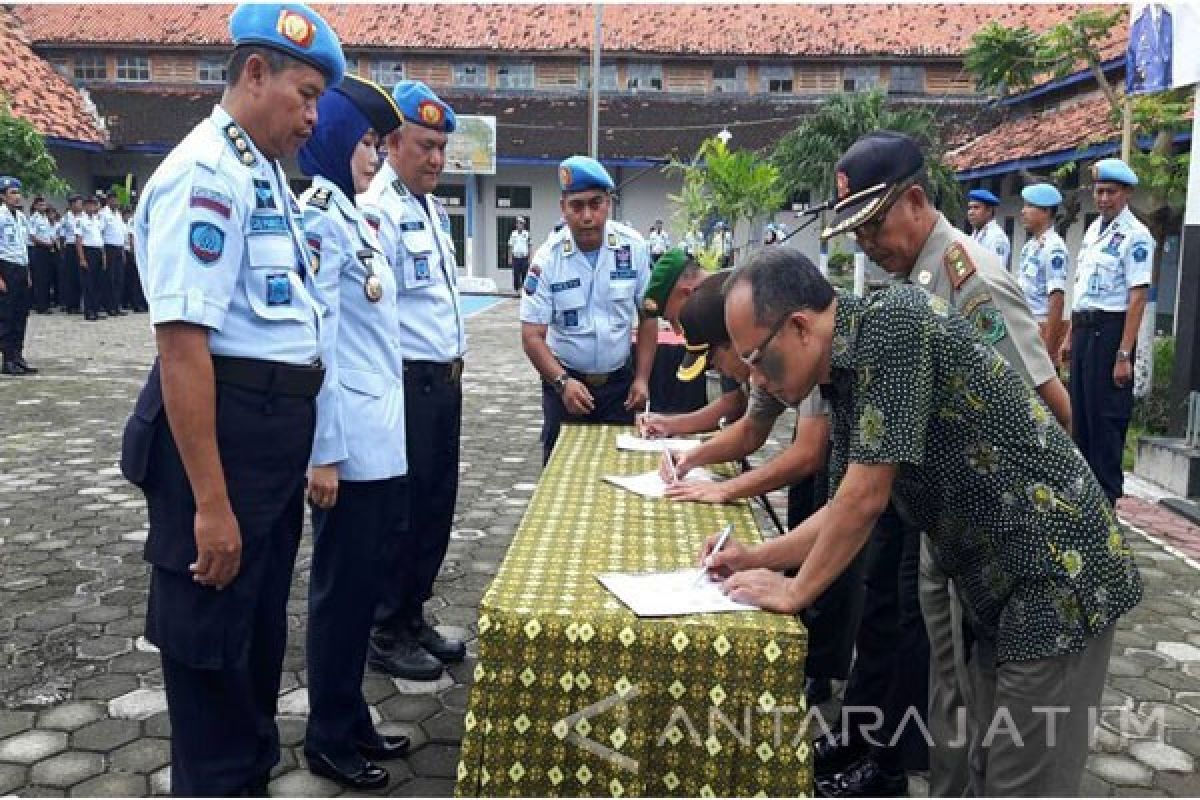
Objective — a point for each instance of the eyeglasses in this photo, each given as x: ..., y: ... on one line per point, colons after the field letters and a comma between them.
x: 755, y: 356
x: 595, y: 203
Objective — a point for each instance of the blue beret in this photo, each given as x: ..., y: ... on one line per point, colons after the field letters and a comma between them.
x: 1042, y: 195
x: 580, y: 173
x: 421, y: 106
x: 8, y: 182
x: 983, y: 196
x: 294, y: 29
x: 1114, y: 169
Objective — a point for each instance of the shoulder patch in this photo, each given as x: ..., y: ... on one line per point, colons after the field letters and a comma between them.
x: 320, y: 199
x: 1140, y: 252
x: 958, y: 263
x: 207, y: 242
x: 531, y: 279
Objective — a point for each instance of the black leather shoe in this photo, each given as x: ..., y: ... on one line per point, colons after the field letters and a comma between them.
x: 11, y: 368
x: 28, y: 369
x: 117, y: 313
x: 386, y: 748
x: 365, y: 776
x: 817, y: 690
x: 832, y: 754
x: 90, y: 317
x: 405, y: 659
x: 865, y: 779
x: 448, y: 651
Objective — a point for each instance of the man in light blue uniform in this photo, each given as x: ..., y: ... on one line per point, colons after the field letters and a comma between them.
x: 15, y: 280
x: 1112, y: 279
x: 220, y: 437
x: 981, y: 213
x: 581, y: 303
x: 414, y: 230
x: 1044, y: 259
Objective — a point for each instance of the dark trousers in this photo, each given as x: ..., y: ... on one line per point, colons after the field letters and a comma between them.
x: 357, y: 546
x: 70, y: 289
x: 222, y: 651
x: 14, y: 309
x: 433, y: 428
x: 891, y: 673
x: 95, y: 292
x: 1100, y: 410
x: 135, y: 298
x: 520, y: 268
x: 609, y: 407
x: 42, y: 266
x: 114, y: 258
x: 833, y: 618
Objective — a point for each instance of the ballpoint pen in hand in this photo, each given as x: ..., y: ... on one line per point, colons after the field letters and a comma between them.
x: 721, y: 540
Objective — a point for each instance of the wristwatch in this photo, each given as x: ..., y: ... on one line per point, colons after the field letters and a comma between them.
x: 560, y: 383
x: 1123, y: 355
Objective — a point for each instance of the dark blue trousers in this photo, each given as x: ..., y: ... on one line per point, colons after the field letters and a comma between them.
x: 609, y: 408
x: 222, y: 651
x: 891, y: 673
x: 433, y: 429
x: 68, y: 283
x: 95, y: 286
x: 115, y: 273
x: 1100, y: 410
x: 357, y: 547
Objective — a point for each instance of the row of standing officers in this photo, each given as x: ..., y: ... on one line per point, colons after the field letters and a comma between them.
x: 286, y: 372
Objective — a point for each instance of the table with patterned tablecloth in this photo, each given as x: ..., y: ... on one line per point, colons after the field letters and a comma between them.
x: 575, y: 695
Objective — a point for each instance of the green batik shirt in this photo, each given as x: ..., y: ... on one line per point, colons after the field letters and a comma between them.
x: 1013, y: 512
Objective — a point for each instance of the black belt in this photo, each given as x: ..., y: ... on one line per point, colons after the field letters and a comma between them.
x: 450, y: 371
x: 1094, y: 319
x: 595, y: 379
x: 269, y: 377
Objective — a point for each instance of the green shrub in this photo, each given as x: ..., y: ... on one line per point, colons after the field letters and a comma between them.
x: 1152, y: 413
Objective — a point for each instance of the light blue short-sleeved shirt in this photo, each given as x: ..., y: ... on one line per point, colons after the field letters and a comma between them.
x: 590, y: 311
x: 14, y: 235
x: 360, y: 410
x: 421, y: 252
x: 1044, y: 261
x: 219, y: 243
x: 993, y: 237
x: 1113, y: 259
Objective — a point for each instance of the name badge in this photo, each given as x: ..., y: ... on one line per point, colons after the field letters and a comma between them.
x: 267, y: 223
x: 565, y: 285
x: 571, y: 319
x: 622, y: 274
x: 279, y: 289
x: 412, y: 225
x: 421, y: 268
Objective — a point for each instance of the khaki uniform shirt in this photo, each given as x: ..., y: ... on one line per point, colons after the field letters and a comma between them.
x: 968, y: 276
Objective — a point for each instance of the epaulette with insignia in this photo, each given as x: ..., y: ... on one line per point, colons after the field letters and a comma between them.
x: 237, y: 140
x: 320, y: 198
x: 612, y: 240
x: 399, y: 188
x: 958, y: 263
x: 568, y: 248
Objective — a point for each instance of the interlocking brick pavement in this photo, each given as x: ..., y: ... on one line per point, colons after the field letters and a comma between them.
x: 81, y: 706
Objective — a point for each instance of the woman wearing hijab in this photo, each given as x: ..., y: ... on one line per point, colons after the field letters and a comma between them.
x: 357, y: 483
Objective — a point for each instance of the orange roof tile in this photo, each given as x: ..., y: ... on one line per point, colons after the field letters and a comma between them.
x: 37, y: 93
x: 776, y: 30
x: 1083, y: 122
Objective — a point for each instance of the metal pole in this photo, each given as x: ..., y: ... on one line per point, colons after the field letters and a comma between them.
x: 594, y: 147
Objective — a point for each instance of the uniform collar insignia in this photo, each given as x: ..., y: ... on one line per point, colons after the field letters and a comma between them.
x: 612, y: 240
x: 958, y: 263
x: 399, y: 188
x: 568, y: 246
x: 241, y: 147
x: 320, y: 198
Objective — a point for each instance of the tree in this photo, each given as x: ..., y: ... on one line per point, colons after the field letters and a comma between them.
x: 805, y: 156
x: 1012, y: 60
x: 23, y: 154
x: 736, y: 186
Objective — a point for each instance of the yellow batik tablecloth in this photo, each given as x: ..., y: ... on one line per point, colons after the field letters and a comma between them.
x: 575, y: 695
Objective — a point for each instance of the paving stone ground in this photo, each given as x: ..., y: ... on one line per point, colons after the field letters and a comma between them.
x: 81, y: 706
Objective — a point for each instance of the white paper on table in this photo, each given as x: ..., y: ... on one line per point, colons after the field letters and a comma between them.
x: 627, y: 441
x: 669, y: 594
x: 651, y: 484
